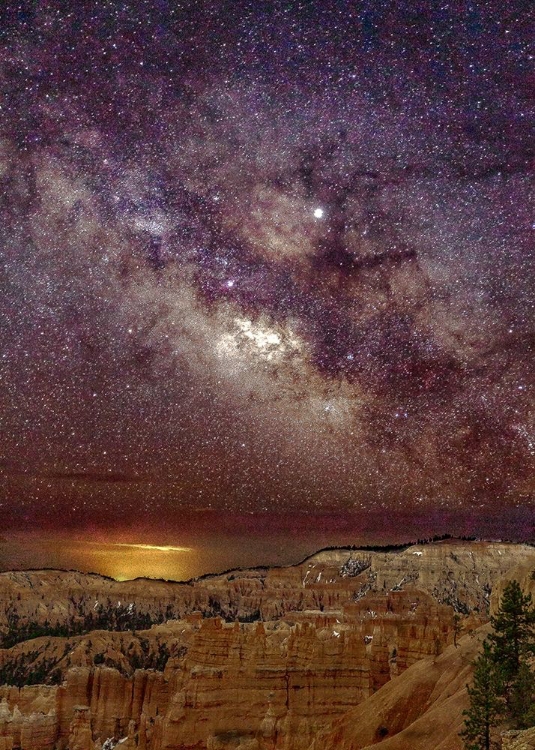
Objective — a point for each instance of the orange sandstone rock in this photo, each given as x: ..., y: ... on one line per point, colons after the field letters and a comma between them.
x: 355, y: 648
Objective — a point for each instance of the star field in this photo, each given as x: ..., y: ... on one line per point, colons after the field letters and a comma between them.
x: 266, y: 258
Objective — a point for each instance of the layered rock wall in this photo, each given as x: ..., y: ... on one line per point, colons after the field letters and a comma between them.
x: 457, y: 573
x: 276, y: 681
x: 337, y: 632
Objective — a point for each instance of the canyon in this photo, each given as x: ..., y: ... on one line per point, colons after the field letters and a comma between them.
x: 348, y: 649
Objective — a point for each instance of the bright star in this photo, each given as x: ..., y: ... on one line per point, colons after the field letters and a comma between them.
x: 318, y: 213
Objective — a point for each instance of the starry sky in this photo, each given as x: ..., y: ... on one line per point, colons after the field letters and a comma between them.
x: 268, y: 269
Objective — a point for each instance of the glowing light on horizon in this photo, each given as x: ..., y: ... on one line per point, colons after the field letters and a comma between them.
x: 132, y: 545
x: 127, y: 560
x: 154, y: 547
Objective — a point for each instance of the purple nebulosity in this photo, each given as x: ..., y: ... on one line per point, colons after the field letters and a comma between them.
x: 266, y: 258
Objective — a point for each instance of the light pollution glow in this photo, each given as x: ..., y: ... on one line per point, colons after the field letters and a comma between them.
x: 117, y: 559
x: 125, y: 560
x: 150, y: 546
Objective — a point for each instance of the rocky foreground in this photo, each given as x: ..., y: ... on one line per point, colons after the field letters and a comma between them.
x: 346, y: 650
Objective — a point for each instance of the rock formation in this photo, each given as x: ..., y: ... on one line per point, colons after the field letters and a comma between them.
x: 456, y: 573
x: 519, y: 740
x: 348, y: 649
x: 80, y: 734
x: 420, y: 709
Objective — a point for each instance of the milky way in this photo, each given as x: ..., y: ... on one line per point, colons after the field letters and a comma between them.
x: 266, y: 258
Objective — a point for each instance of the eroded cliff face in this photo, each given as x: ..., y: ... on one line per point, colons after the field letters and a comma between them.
x: 276, y: 680
x: 337, y: 631
x: 457, y: 573
x: 420, y: 709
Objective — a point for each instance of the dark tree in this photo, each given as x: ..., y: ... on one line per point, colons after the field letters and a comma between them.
x: 513, y: 639
x: 522, y: 698
x: 486, y: 704
x: 504, y: 684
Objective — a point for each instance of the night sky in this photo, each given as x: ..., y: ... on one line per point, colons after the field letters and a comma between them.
x: 268, y: 270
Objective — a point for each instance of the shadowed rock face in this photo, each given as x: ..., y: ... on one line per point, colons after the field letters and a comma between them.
x: 421, y: 709
x: 343, y: 630
x: 519, y: 740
